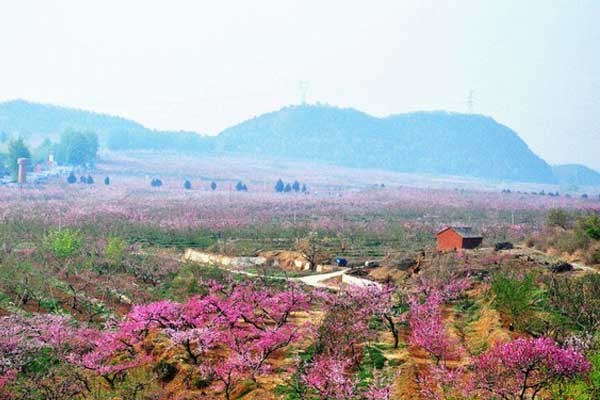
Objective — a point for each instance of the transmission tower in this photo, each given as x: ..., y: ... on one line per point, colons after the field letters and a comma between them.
x: 303, y: 90
x: 470, y: 102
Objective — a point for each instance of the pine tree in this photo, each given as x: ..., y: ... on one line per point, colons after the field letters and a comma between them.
x: 71, y: 178
x: 279, y: 186
x: 187, y: 185
x: 296, y: 186
x: 213, y: 185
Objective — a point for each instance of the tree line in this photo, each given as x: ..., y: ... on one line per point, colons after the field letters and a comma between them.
x: 76, y: 148
x: 281, y: 187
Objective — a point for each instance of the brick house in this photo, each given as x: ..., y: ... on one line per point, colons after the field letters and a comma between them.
x: 454, y: 238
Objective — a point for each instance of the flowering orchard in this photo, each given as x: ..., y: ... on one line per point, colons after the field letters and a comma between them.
x: 96, y: 304
x: 226, y: 336
x: 238, y: 331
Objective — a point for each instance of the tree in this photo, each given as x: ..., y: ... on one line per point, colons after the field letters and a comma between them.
x: 16, y: 149
x: 519, y: 298
x: 313, y: 250
x: 107, y: 181
x: 304, y: 189
x: 77, y: 148
x: 287, y: 188
x: 213, y: 185
x: 558, y: 217
x: 89, y: 180
x: 71, y: 178
x: 279, y: 186
x: 156, y: 182
x: 3, y: 164
x: 64, y: 243
x: 521, y: 369
x: 428, y: 330
x: 43, y: 151
x: 339, y: 348
x: 248, y: 322
x: 296, y: 186
x: 241, y: 187
x: 187, y: 185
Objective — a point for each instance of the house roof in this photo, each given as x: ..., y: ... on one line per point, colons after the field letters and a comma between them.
x: 465, y: 231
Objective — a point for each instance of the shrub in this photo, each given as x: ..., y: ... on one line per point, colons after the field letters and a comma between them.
x: 590, y: 226
x: 559, y: 217
x: 165, y: 371
x: 576, y: 300
x: 503, y: 246
x: 64, y: 242
x: 187, y: 185
x: 107, y: 181
x: 518, y: 297
x: 593, y: 255
x: 115, y: 250
x: 570, y: 241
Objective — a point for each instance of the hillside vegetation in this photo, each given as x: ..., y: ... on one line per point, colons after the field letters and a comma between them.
x: 424, y: 142
x: 36, y: 122
x: 430, y: 142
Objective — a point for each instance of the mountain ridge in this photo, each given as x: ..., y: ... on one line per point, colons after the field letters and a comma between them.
x: 437, y: 142
x: 576, y: 174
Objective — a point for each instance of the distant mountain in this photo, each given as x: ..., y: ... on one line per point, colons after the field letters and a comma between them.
x: 422, y: 142
x: 576, y: 174
x: 425, y: 142
x: 35, y: 121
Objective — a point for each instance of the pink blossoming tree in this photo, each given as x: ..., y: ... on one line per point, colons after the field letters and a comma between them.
x: 524, y: 368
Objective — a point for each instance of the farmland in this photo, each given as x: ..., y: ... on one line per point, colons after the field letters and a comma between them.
x: 97, y: 303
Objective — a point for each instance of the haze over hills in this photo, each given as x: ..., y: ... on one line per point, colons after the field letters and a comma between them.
x: 575, y: 174
x: 430, y: 142
x: 36, y: 121
x: 422, y: 142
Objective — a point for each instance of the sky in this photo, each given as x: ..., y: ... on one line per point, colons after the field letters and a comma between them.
x: 206, y: 65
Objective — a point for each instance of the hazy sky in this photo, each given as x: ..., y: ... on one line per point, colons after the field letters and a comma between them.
x: 206, y: 65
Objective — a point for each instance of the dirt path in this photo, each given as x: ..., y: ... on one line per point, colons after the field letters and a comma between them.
x: 310, y: 280
x: 316, y: 280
